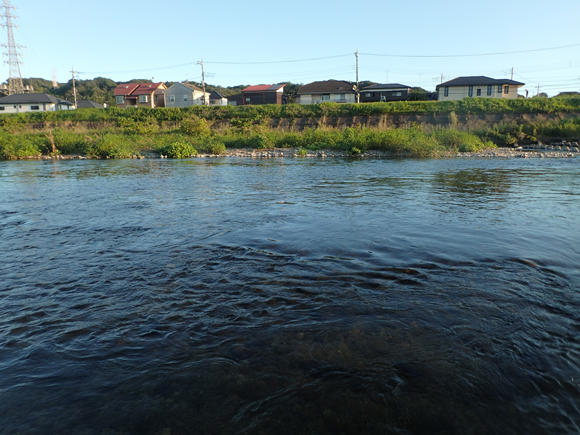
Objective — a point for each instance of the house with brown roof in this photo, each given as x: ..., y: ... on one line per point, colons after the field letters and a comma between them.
x: 261, y: 94
x: 185, y: 95
x: 478, y: 87
x: 328, y: 91
x: 140, y: 95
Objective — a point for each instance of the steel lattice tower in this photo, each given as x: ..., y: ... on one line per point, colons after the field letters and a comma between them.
x: 15, y: 85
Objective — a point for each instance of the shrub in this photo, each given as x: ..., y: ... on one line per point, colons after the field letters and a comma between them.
x: 112, y: 145
x: 180, y: 150
x: 196, y: 127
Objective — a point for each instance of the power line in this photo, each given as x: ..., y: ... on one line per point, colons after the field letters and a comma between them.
x: 281, y: 61
x: 471, y: 55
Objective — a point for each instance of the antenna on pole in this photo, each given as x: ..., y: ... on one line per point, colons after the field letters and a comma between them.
x: 15, y: 85
x: 203, y: 81
x: 74, y: 86
x: 357, y: 93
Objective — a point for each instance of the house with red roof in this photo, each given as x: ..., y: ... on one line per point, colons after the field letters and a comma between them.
x: 261, y: 94
x: 140, y: 95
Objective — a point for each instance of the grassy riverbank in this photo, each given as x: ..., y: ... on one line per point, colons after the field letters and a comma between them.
x: 177, y: 144
x: 177, y: 133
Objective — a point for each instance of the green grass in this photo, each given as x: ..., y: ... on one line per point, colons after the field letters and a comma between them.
x: 144, y: 120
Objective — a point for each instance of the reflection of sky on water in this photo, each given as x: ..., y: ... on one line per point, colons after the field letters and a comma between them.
x: 289, y: 296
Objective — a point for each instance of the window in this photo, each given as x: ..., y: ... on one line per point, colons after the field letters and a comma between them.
x: 397, y: 94
x: 341, y: 97
x: 470, y: 91
x: 506, y: 89
x: 248, y: 99
x: 446, y: 91
x: 143, y: 98
x: 368, y: 94
x: 34, y: 107
x: 2, y: 108
x: 499, y: 89
x: 325, y: 97
x: 184, y: 97
x: 156, y: 99
x: 172, y: 98
x: 120, y: 99
x: 479, y: 92
x: 489, y: 89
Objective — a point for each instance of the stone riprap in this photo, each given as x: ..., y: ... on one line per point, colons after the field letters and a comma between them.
x: 559, y: 150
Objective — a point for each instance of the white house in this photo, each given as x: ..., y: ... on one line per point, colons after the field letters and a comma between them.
x: 329, y: 91
x: 478, y: 87
x: 217, y: 99
x: 184, y: 95
x: 20, y: 103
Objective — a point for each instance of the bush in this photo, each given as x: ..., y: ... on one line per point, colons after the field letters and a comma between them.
x: 180, y: 150
x: 196, y: 127
x: 14, y: 147
x: 112, y: 145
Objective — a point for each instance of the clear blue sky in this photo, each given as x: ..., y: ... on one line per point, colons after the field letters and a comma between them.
x: 123, y: 39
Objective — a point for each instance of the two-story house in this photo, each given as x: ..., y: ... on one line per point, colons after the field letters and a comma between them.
x: 262, y: 94
x: 385, y: 92
x: 336, y: 91
x: 185, y: 95
x: 478, y: 87
x: 140, y: 95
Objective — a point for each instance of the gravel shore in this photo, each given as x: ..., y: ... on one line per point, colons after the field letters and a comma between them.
x: 491, y: 153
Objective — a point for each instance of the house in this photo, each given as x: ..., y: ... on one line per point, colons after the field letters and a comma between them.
x: 185, y: 95
x: 217, y: 99
x: 385, y: 92
x: 478, y: 87
x: 235, y: 100
x: 88, y: 104
x: 140, y: 95
x: 336, y: 91
x: 262, y: 94
x: 20, y: 103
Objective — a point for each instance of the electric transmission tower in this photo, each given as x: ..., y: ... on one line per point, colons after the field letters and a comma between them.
x: 15, y: 85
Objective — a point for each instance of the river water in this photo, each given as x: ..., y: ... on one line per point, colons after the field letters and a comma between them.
x: 240, y: 296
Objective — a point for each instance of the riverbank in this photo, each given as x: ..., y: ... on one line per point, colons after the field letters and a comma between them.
x: 490, y: 153
x: 200, y: 131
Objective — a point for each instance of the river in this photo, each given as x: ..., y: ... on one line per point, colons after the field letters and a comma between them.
x: 290, y: 296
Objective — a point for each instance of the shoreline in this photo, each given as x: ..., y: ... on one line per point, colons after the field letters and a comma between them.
x: 488, y: 153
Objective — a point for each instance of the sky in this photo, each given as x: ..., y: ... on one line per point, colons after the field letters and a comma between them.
x: 412, y: 42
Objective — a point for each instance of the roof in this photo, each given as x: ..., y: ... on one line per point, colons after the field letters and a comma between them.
x: 33, y: 98
x: 195, y: 88
x: 385, y: 86
x: 126, y: 88
x: 215, y: 95
x: 88, y: 104
x: 264, y: 88
x: 328, y: 86
x: 147, y: 88
x: 479, y: 81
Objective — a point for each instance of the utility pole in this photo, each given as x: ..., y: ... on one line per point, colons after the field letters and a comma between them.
x: 203, y: 81
x: 512, y: 72
x: 15, y: 85
x: 54, y: 79
x: 357, y: 92
x: 538, y: 89
x: 74, y: 86
x: 441, y: 78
